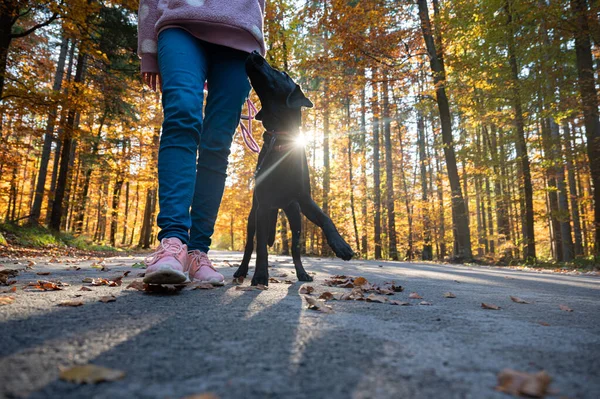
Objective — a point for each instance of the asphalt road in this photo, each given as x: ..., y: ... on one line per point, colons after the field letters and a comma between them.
x: 267, y: 344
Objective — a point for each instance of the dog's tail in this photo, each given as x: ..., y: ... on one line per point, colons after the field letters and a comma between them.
x: 272, y: 226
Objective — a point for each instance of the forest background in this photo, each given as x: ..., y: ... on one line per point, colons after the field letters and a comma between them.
x: 463, y: 129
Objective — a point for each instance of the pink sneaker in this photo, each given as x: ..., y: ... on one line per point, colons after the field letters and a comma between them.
x: 201, y: 270
x: 167, y: 264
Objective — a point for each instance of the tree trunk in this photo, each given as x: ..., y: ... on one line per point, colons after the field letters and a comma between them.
x: 462, y: 234
x: 350, y: 176
x: 48, y: 137
x: 578, y: 248
x: 363, y: 166
x: 427, y: 252
x: 389, y: 174
x: 68, y: 141
x: 376, y: 168
x: 325, y: 250
x: 589, y: 96
x: 126, y: 219
x: 528, y: 231
x: 114, y: 220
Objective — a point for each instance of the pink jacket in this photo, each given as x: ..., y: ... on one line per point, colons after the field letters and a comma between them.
x: 233, y: 23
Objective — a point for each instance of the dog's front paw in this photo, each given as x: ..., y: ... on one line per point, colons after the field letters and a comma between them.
x: 241, y: 272
x: 260, y: 278
x: 341, y: 248
x: 304, y: 277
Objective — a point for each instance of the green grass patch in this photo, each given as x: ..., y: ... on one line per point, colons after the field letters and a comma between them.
x: 41, y: 237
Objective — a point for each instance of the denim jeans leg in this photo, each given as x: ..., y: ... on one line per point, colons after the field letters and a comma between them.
x: 183, y: 67
x: 228, y: 88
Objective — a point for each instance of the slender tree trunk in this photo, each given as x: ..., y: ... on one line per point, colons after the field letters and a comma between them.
x: 363, y: 166
x: 126, y: 219
x: 578, y: 248
x: 427, y: 252
x: 68, y: 141
x: 350, y: 175
x: 389, y: 174
x: 135, y: 216
x: 462, y: 234
x: 521, y: 145
x: 48, y: 136
x: 589, y: 96
x: 376, y: 168
x: 114, y: 220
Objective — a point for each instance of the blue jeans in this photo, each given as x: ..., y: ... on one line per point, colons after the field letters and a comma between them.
x: 192, y: 158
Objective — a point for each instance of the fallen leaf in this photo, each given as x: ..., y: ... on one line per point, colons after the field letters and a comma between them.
x: 360, y: 281
x: 54, y: 260
x: 565, y: 308
x: 376, y: 298
x: 43, y: 273
x: 425, y: 303
x: 126, y: 273
x: 327, y: 296
x: 490, y: 306
x: 543, y: 323
x: 199, y: 286
x: 139, y: 265
x: 274, y: 280
x: 314, y: 304
x: 288, y: 282
x: 6, y: 300
x: 30, y: 263
x: 85, y: 289
x: 282, y: 275
x: 414, y: 295
x: 71, y: 303
x: 90, y: 374
x: 108, y: 298
x: 7, y: 290
x: 517, y: 299
x: 137, y: 285
x: 449, y: 295
x: 306, y: 289
x: 519, y: 383
x: 399, y: 303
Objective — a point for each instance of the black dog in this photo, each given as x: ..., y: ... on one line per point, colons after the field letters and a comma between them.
x: 282, y: 180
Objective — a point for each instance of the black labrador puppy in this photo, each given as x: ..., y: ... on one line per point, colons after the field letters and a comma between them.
x: 282, y: 179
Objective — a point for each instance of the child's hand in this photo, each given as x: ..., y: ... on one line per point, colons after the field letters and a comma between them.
x: 152, y: 79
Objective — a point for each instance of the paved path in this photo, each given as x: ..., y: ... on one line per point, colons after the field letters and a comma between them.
x: 266, y: 344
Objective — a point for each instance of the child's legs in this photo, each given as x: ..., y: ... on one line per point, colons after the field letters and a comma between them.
x: 183, y: 67
x: 228, y: 88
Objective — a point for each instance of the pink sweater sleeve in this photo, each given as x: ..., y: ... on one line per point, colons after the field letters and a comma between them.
x: 147, y: 37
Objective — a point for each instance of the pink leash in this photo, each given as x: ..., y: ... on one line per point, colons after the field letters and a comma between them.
x: 246, y: 130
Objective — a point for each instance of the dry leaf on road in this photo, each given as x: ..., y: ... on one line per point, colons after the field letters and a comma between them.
x: 71, y: 303
x: 414, y: 295
x: 399, y: 303
x: 6, y: 300
x: 314, y: 304
x: 90, y: 374
x: 449, y: 295
x: 376, y: 298
x: 518, y: 383
x: 108, y: 298
x: 306, y: 289
x: 274, y: 280
x: 137, y: 285
x: 565, y: 308
x: 360, y: 281
x: 425, y: 303
x: 199, y: 286
x: 327, y: 296
x: 43, y: 273
x: 517, y: 299
x: 490, y: 306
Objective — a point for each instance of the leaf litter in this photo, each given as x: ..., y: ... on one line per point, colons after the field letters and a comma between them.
x: 518, y: 300
x: 315, y: 304
x: 90, y: 374
x: 518, y: 383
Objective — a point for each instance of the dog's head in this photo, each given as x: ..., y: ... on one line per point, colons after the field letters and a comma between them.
x: 281, y: 98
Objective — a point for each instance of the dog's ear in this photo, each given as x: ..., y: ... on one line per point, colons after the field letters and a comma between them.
x: 258, y: 115
x: 297, y: 99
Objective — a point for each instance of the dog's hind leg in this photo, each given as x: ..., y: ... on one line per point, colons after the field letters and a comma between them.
x: 261, y: 271
x: 292, y: 212
x: 316, y: 215
x: 242, y: 271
